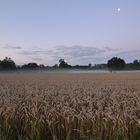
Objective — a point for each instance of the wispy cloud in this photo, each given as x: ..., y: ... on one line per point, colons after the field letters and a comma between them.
x: 7, y: 46
x: 33, y: 55
x: 78, y: 54
x: 82, y: 54
x: 129, y: 55
x: 35, y: 58
x: 29, y: 52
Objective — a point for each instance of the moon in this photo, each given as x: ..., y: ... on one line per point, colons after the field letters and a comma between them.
x: 119, y: 9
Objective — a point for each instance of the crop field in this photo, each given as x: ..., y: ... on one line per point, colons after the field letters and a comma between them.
x: 70, y: 106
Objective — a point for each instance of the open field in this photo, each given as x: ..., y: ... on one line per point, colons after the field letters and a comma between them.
x: 70, y: 106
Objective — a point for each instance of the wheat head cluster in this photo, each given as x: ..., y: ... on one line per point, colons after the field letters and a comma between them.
x: 70, y: 106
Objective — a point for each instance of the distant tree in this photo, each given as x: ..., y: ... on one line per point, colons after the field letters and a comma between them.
x: 116, y: 63
x: 7, y: 64
x: 18, y: 67
x: 89, y: 65
x: 30, y: 66
x: 0, y: 64
x: 41, y: 66
x: 55, y: 66
x: 136, y: 62
x: 63, y: 64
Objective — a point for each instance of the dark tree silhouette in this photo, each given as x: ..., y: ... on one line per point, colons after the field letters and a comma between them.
x: 55, y: 66
x: 89, y: 65
x: 7, y: 64
x: 116, y: 63
x: 30, y: 66
x: 136, y: 63
x: 42, y: 66
x: 63, y: 64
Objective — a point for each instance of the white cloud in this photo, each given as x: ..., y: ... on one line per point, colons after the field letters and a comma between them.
x: 76, y: 54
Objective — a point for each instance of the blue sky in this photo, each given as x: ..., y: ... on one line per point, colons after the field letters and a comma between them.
x: 80, y: 31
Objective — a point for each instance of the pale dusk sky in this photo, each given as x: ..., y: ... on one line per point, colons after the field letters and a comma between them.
x: 80, y: 31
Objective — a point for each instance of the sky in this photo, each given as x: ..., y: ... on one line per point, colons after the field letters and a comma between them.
x: 79, y: 31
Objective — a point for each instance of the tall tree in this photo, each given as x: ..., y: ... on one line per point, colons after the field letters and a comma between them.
x: 63, y: 64
x: 30, y: 66
x: 116, y: 63
x: 7, y: 64
x: 136, y: 62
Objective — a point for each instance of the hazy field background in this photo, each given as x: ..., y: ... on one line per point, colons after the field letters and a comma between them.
x: 70, y: 106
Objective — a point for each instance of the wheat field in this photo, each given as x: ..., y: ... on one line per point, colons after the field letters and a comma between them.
x: 70, y: 106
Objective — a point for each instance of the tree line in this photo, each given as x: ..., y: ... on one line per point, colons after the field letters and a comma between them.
x: 114, y: 63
